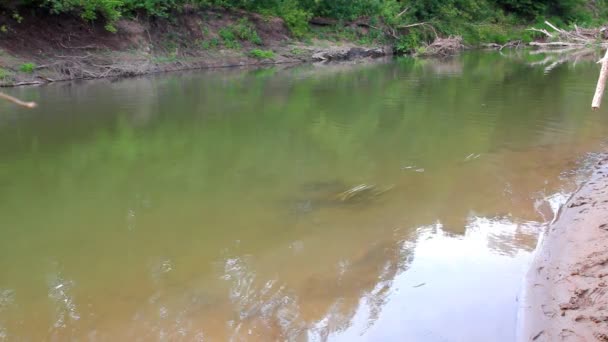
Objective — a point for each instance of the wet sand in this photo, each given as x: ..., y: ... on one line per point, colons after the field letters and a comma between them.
x: 566, y: 289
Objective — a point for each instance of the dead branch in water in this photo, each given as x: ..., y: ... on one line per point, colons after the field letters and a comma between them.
x: 444, y: 46
x: 17, y: 101
x: 555, y: 57
x: 514, y: 43
x: 601, y: 83
x: 562, y: 37
x: 555, y: 44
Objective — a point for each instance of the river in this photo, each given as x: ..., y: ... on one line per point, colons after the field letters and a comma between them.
x: 215, y: 205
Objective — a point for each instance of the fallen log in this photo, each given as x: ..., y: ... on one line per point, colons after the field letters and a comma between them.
x: 601, y: 83
x: 17, y: 101
x: 555, y: 44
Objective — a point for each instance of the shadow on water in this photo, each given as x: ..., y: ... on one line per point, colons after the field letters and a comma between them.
x: 394, y: 201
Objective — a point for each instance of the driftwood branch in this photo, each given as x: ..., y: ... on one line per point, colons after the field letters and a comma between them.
x: 555, y: 44
x: 543, y: 31
x: 17, y: 101
x: 578, y: 36
x: 553, y: 27
x: 601, y: 83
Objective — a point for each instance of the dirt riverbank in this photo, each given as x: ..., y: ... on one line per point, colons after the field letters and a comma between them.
x: 566, y: 289
x: 39, y: 48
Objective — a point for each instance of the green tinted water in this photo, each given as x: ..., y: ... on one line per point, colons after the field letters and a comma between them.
x: 205, y: 205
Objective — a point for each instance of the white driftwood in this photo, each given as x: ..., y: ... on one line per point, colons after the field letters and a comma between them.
x: 17, y: 101
x: 554, y: 27
x: 555, y: 44
x: 601, y: 83
x: 543, y: 31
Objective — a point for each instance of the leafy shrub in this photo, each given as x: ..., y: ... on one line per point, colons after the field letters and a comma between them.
x: 226, y: 34
x: 408, y: 43
x: 27, y: 67
x: 209, y: 44
x: 244, y: 30
x: 4, y: 74
x: 295, y: 18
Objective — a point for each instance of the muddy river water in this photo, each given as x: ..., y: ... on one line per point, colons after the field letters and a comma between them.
x: 394, y: 201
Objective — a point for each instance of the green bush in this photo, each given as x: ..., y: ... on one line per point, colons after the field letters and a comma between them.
x: 209, y: 44
x: 244, y: 30
x: 27, y: 67
x: 261, y: 54
x: 408, y: 43
x: 295, y: 18
x: 4, y: 74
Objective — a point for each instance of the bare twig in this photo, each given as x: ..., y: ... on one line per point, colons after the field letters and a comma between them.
x: 423, y: 24
x: 402, y: 12
x: 86, y: 47
x: 411, y: 25
x: 88, y: 55
x: 17, y: 101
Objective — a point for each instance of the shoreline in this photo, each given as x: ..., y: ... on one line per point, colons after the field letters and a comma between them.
x: 564, y: 296
x: 40, y: 50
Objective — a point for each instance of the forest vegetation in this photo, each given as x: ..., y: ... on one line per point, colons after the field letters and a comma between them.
x: 476, y: 21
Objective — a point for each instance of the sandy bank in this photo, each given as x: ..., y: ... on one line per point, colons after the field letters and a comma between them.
x: 566, y: 289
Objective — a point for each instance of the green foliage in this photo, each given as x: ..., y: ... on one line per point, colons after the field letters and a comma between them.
x: 295, y: 17
x: 226, y: 34
x: 229, y: 38
x: 89, y: 10
x: 244, y: 30
x: 4, y: 74
x: 17, y: 17
x: 171, y: 58
x: 209, y: 44
x: 261, y: 54
x: 297, y: 51
x: 27, y: 67
x: 570, y: 10
x: 477, y: 20
x: 408, y: 43
x: 490, y: 33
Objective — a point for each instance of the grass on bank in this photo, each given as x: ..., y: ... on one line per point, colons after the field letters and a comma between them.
x: 261, y: 54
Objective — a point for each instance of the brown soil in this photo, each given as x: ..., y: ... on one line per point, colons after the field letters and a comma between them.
x: 566, y: 292
x: 65, y: 47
